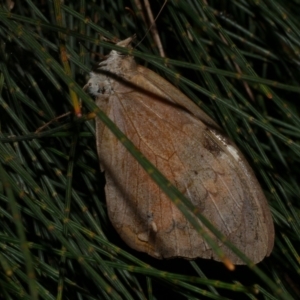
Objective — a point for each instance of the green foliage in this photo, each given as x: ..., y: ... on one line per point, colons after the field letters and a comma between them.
x: 241, y: 58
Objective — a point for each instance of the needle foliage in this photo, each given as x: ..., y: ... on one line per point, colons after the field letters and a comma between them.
x: 238, y: 60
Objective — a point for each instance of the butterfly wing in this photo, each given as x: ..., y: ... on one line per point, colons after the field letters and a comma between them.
x: 201, y: 162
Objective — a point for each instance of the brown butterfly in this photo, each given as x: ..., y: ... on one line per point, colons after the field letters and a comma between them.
x: 190, y: 149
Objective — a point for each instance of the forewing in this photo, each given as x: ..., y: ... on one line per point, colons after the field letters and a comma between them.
x: 197, y: 161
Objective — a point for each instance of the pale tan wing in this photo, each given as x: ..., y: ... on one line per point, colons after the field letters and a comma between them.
x: 194, y: 159
x: 233, y: 154
x: 174, y: 95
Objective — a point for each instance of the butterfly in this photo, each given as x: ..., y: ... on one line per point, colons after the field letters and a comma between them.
x: 191, y: 150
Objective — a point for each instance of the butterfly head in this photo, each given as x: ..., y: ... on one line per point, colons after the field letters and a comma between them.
x: 115, y: 66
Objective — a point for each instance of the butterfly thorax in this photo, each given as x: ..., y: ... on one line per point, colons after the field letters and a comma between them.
x: 112, y: 74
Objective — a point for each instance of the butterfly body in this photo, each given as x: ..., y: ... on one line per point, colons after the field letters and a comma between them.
x: 189, y: 148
